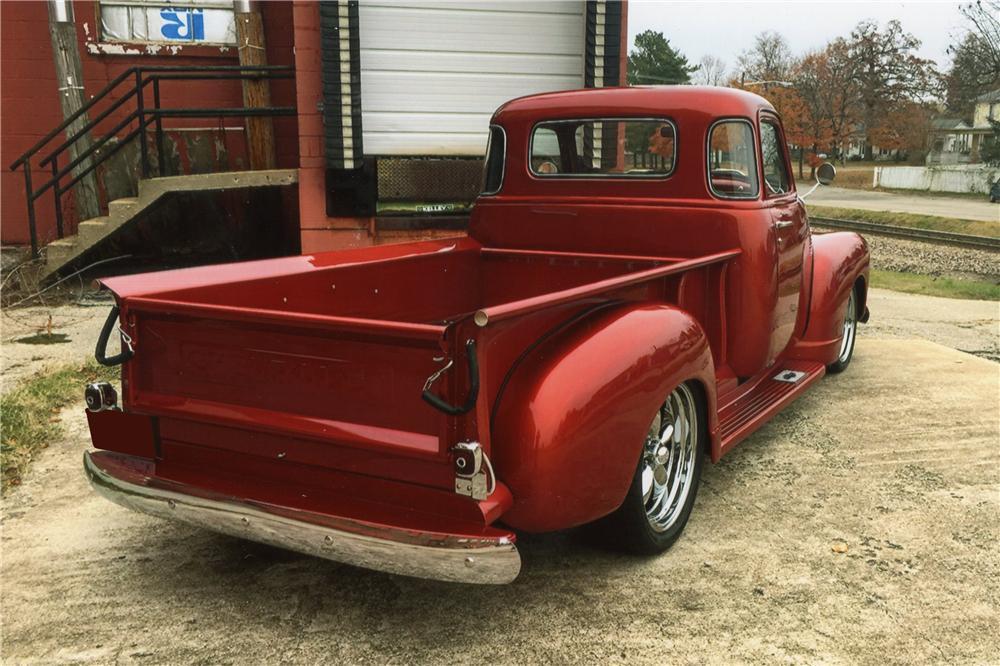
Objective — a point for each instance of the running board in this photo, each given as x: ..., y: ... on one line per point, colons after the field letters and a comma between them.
x: 765, y: 398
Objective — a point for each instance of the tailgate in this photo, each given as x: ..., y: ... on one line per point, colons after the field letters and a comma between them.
x: 317, y: 390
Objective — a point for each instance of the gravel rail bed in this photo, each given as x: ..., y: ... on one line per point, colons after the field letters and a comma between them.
x: 907, y: 256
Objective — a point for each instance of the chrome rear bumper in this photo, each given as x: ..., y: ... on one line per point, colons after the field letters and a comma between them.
x: 405, y: 552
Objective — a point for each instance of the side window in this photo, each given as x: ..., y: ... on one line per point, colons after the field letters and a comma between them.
x: 545, y: 157
x: 732, y: 164
x: 775, y: 169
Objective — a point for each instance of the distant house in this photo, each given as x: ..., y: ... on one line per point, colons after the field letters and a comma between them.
x: 857, y: 142
x: 957, y: 141
x: 987, y: 108
x: 950, y: 141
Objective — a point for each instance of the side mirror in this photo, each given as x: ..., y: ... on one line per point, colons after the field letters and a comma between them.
x: 825, y: 173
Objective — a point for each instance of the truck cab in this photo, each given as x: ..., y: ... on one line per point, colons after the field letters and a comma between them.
x: 639, y: 290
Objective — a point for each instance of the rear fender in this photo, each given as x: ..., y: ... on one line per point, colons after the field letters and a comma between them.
x: 840, y: 260
x: 570, y: 425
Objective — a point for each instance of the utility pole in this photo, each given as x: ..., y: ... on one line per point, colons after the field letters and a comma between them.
x: 256, y: 92
x: 69, y: 78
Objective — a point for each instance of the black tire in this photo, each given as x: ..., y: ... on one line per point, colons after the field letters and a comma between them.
x: 850, y: 334
x: 630, y: 527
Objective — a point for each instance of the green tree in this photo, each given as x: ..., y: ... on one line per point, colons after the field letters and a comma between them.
x: 654, y: 62
x: 972, y: 73
x: 990, y: 152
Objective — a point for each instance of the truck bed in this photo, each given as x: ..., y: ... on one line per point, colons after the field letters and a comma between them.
x: 318, y: 362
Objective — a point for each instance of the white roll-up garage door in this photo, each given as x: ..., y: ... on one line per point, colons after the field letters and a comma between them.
x: 432, y: 72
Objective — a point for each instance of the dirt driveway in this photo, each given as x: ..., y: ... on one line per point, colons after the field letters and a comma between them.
x: 898, y: 460
x: 943, y: 206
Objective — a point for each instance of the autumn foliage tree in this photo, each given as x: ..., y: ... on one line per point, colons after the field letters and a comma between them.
x: 904, y: 128
x: 824, y: 81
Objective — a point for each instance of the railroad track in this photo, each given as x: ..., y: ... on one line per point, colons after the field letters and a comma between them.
x: 926, y: 235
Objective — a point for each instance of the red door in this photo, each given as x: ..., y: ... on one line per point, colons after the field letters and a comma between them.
x: 788, y: 216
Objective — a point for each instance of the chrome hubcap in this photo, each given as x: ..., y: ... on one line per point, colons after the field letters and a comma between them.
x: 668, y: 459
x: 850, y: 328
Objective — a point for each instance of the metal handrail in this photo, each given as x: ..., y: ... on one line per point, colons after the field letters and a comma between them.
x: 143, y: 116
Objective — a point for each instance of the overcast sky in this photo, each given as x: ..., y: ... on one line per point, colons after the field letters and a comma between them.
x: 724, y: 29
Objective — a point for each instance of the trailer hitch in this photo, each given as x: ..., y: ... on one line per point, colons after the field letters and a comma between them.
x: 470, y: 402
x: 127, y: 351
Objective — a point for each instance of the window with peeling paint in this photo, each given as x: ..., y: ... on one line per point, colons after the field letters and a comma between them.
x: 168, y: 22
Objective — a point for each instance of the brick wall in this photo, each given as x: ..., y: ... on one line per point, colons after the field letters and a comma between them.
x: 29, y: 105
x: 318, y: 232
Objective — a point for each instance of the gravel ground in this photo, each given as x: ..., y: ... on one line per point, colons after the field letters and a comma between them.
x: 860, y: 526
x: 899, y: 254
x: 79, y: 323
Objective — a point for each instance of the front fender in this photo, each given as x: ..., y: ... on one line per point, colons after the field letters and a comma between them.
x: 570, y: 425
x: 840, y: 260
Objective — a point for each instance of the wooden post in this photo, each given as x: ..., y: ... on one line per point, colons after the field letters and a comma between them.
x: 69, y: 78
x: 256, y: 92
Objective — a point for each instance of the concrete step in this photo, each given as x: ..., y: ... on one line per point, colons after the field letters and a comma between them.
x: 91, y: 231
x: 59, y: 252
x: 123, y: 211
x: 122, y: 207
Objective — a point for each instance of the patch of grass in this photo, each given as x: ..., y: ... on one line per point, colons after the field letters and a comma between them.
x: 929, y: 285
x: 855, y: 179
x: 913, y: 220
x: 30, y: 414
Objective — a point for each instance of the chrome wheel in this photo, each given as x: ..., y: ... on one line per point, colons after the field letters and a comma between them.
x: 669, y: 456
x: 850, y: 330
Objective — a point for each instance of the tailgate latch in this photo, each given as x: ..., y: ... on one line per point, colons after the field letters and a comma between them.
x: 471, y: 465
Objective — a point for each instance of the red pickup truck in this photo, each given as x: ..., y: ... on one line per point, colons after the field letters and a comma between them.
x: 639, y: 290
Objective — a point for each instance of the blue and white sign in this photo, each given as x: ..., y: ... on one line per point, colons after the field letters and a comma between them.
x: 188, y: 22
x: 183, y: 24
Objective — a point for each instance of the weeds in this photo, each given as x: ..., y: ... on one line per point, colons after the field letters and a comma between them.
x: 29, y: 415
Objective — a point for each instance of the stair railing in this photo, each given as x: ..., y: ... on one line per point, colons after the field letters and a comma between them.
x: 137, y: 79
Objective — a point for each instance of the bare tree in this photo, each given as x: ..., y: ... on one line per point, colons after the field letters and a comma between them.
x: 769, y: 59
x: 888, y: 71
x: 984, y: 15
x: 711, y: 72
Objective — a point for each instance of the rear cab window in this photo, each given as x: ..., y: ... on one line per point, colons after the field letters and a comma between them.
x: 603, y: 148
x: 732, y: 160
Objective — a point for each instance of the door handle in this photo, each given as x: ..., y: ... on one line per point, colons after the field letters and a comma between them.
x: 783, y: 224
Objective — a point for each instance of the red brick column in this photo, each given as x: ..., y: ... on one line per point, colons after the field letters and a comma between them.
x: 318, y: 232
